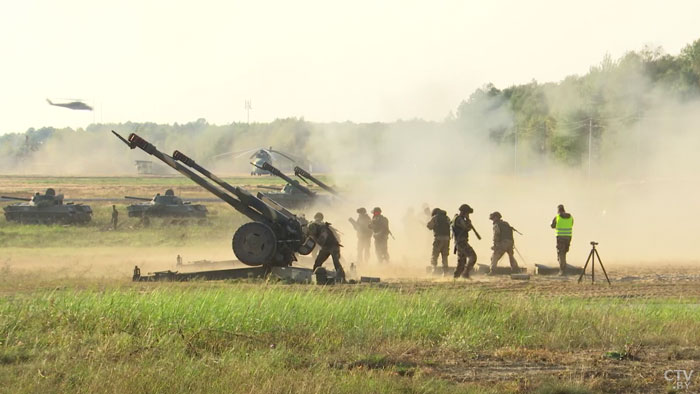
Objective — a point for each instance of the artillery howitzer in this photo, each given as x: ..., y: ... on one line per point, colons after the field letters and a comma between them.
x: 47, y: 208
x: 168, y: 205
x: 274, y: 236
x: 294, y: 194
x: 304, y: 175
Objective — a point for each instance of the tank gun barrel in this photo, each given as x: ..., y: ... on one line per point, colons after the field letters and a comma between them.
x: 138, y: 198
x: 275, y: 171
x: 268, y: 187
x: 303, y: 174
x: 16, y: 198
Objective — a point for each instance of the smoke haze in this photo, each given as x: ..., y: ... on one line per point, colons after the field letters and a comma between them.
x: 635, y: 193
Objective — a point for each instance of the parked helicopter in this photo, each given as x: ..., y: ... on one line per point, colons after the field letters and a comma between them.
x: 258, y: 157
x: 77, y: 105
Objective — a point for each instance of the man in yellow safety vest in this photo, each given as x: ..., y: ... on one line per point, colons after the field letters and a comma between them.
x: 563, y: 225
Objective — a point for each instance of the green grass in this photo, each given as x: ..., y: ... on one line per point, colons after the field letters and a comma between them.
x: 242, y: 337
x: 219, y: 227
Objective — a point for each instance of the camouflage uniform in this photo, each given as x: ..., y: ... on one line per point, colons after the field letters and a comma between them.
x: 115, y: 217
x: 461, y: 225
x: 440, y: 224
x: 380, y: 228
x: 327, y: 240
x: 503, y: 243
x: 364, y: 234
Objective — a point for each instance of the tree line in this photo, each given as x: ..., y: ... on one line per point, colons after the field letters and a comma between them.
x: 561, y: 121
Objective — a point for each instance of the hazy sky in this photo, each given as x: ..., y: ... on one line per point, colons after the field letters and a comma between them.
x: 322, y: 60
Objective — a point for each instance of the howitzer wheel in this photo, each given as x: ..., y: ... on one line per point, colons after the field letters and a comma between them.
x: 254, y: 244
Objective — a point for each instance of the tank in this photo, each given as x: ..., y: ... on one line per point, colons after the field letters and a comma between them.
x: 168, y: 205
x: 293, y: 194
x: 290, y: 197
x: 47, y: 209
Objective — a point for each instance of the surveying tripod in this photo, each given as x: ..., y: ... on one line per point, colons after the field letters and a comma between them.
x: 591, y: 258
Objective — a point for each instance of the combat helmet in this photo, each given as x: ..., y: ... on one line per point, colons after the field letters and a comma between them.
x: 465, y: 208
x: 495, y: 216
x: 377, y: 210
x: 435, y: 211
x: 169, y: 192
x: 318, y: 216
x: 361, y: 211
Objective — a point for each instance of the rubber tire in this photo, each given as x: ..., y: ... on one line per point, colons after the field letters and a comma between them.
x: 254, y: 244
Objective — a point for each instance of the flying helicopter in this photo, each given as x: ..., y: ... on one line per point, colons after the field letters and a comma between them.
x: 258, y: 156
x: 76, y: 104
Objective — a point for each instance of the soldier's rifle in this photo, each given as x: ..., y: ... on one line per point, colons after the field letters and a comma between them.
x: 476, y: 233
x: 514, y: 229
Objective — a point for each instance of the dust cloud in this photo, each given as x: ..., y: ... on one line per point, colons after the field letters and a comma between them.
x: 638, y: 196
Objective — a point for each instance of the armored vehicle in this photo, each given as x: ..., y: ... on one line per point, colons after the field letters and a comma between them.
x: 47, y: 208
x: 168, y: 205
x: 294, y: 194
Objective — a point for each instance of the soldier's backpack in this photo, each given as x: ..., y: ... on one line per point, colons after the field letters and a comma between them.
x: 506, y: 230
x: 328, y: 236
x: 442, y: 225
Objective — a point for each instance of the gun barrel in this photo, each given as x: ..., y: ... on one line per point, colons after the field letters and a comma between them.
x: 138, y: 198
x: 268, y: 187
x: 245, y: 200
x: 303, y: 174
x: 273, y: 170
x: 274, y: 237
x: 134, y: 141
x: 16, y: 198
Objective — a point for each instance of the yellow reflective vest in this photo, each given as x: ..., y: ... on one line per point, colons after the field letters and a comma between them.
x: 564, y: 226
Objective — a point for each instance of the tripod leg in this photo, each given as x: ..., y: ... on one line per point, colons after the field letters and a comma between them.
x: 593, y: 265
x: 584, y: 266
x: 603, y: 267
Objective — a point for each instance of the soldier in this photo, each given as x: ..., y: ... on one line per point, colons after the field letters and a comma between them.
x: 380, y: 228
x: 502, y: 242
x: 145, y: 221
x: 440, y: 224
x: 461, y: 225
x: 563, y: 224
x: 137, y: 273
x: 364, y: 234
x: 327, y: 239
x: 115, y: 217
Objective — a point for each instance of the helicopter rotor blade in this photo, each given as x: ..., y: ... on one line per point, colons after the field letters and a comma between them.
x: 235, y: 154
x: 289, y: 157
